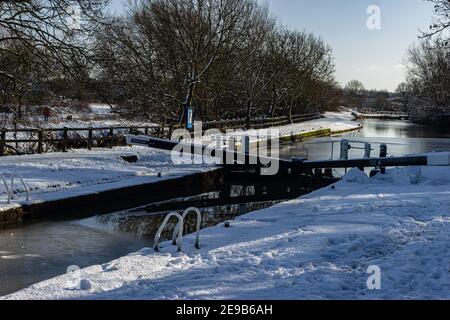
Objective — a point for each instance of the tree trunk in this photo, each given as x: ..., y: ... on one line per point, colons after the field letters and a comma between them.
x: 187, y: 102
x: 248, y: 117
x: 183, y: 110
x: 272, y: 108
x: 19, y: 111
x: 273, y: 102
x: 290, y: 111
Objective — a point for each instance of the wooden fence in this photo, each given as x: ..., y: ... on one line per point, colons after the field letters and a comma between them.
x: 260, y: 123
x: 65, y: 138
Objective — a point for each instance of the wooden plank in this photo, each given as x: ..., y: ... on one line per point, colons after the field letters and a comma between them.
x: 2, y: 142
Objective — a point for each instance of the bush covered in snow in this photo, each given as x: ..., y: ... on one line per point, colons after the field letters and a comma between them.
x: 425, y: 111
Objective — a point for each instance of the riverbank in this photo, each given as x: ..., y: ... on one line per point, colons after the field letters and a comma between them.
x: 73, y: 181
x: 332, y: 123
x: 316, y: 247
x: 427, y: 112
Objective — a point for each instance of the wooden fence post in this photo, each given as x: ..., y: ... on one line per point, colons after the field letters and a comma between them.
x: 111, y: 138
x: 2, y: 142
x: 15, y: 135
x: 66, y: 139
x: 383, y: 154
x: 90, y: 135
x: 40, y: 149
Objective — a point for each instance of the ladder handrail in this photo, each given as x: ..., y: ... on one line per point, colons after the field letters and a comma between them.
x: 10, y: 188
x: 23, y: 183
x: 199, y: 225
x: 163, y: 225
x: 7, y: 189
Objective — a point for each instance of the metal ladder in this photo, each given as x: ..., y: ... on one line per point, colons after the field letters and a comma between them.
x: 177, y: 235
x: 163, y: 225
x: 199, y: 225
x: 10, y: 189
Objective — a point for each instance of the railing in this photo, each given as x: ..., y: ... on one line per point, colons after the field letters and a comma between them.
x: 346, y: 145
x: 161, y: 229
x: 180, y: 225
x: 379, y: 113
x: 66, y: 138
x: 177, y: 235
x: 260, y: 123
x: 10, y: 189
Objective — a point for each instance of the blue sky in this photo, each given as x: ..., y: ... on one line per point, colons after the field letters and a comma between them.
x: 375, y: 57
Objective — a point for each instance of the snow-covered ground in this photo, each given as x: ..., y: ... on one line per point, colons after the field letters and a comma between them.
x: 95, y: 115
x: 343, y: 114
x: 62, y: 175
x: 335, y: 121
x: 316, y: 247
x: 100, y: 109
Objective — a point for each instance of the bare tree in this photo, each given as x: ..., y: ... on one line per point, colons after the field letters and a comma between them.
x: 189, y: 36
x: 311, y: 70
x: 354, y: 87
x: 440, y: 26
x: 429, y: 71
x: 255, y: 66
x: 54, y: 33
x: 228, y: 58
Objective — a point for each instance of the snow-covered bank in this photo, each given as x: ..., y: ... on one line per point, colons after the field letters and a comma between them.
x: 335, y: 122
x: 332, y: 123
x: 316, y: 247
x: 61, y: 175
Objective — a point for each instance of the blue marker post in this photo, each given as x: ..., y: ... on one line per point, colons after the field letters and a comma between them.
x: 189, y: 118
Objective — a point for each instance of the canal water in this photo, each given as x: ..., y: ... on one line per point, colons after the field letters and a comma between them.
x: 41, y: 250
x: 402, y: 138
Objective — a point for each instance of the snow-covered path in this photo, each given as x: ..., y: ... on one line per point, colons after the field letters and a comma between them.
x: 316, y: 247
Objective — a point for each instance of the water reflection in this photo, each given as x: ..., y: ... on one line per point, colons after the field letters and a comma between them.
x: 399, y: 129
x: 40, y: 251
x: 402, y: 137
